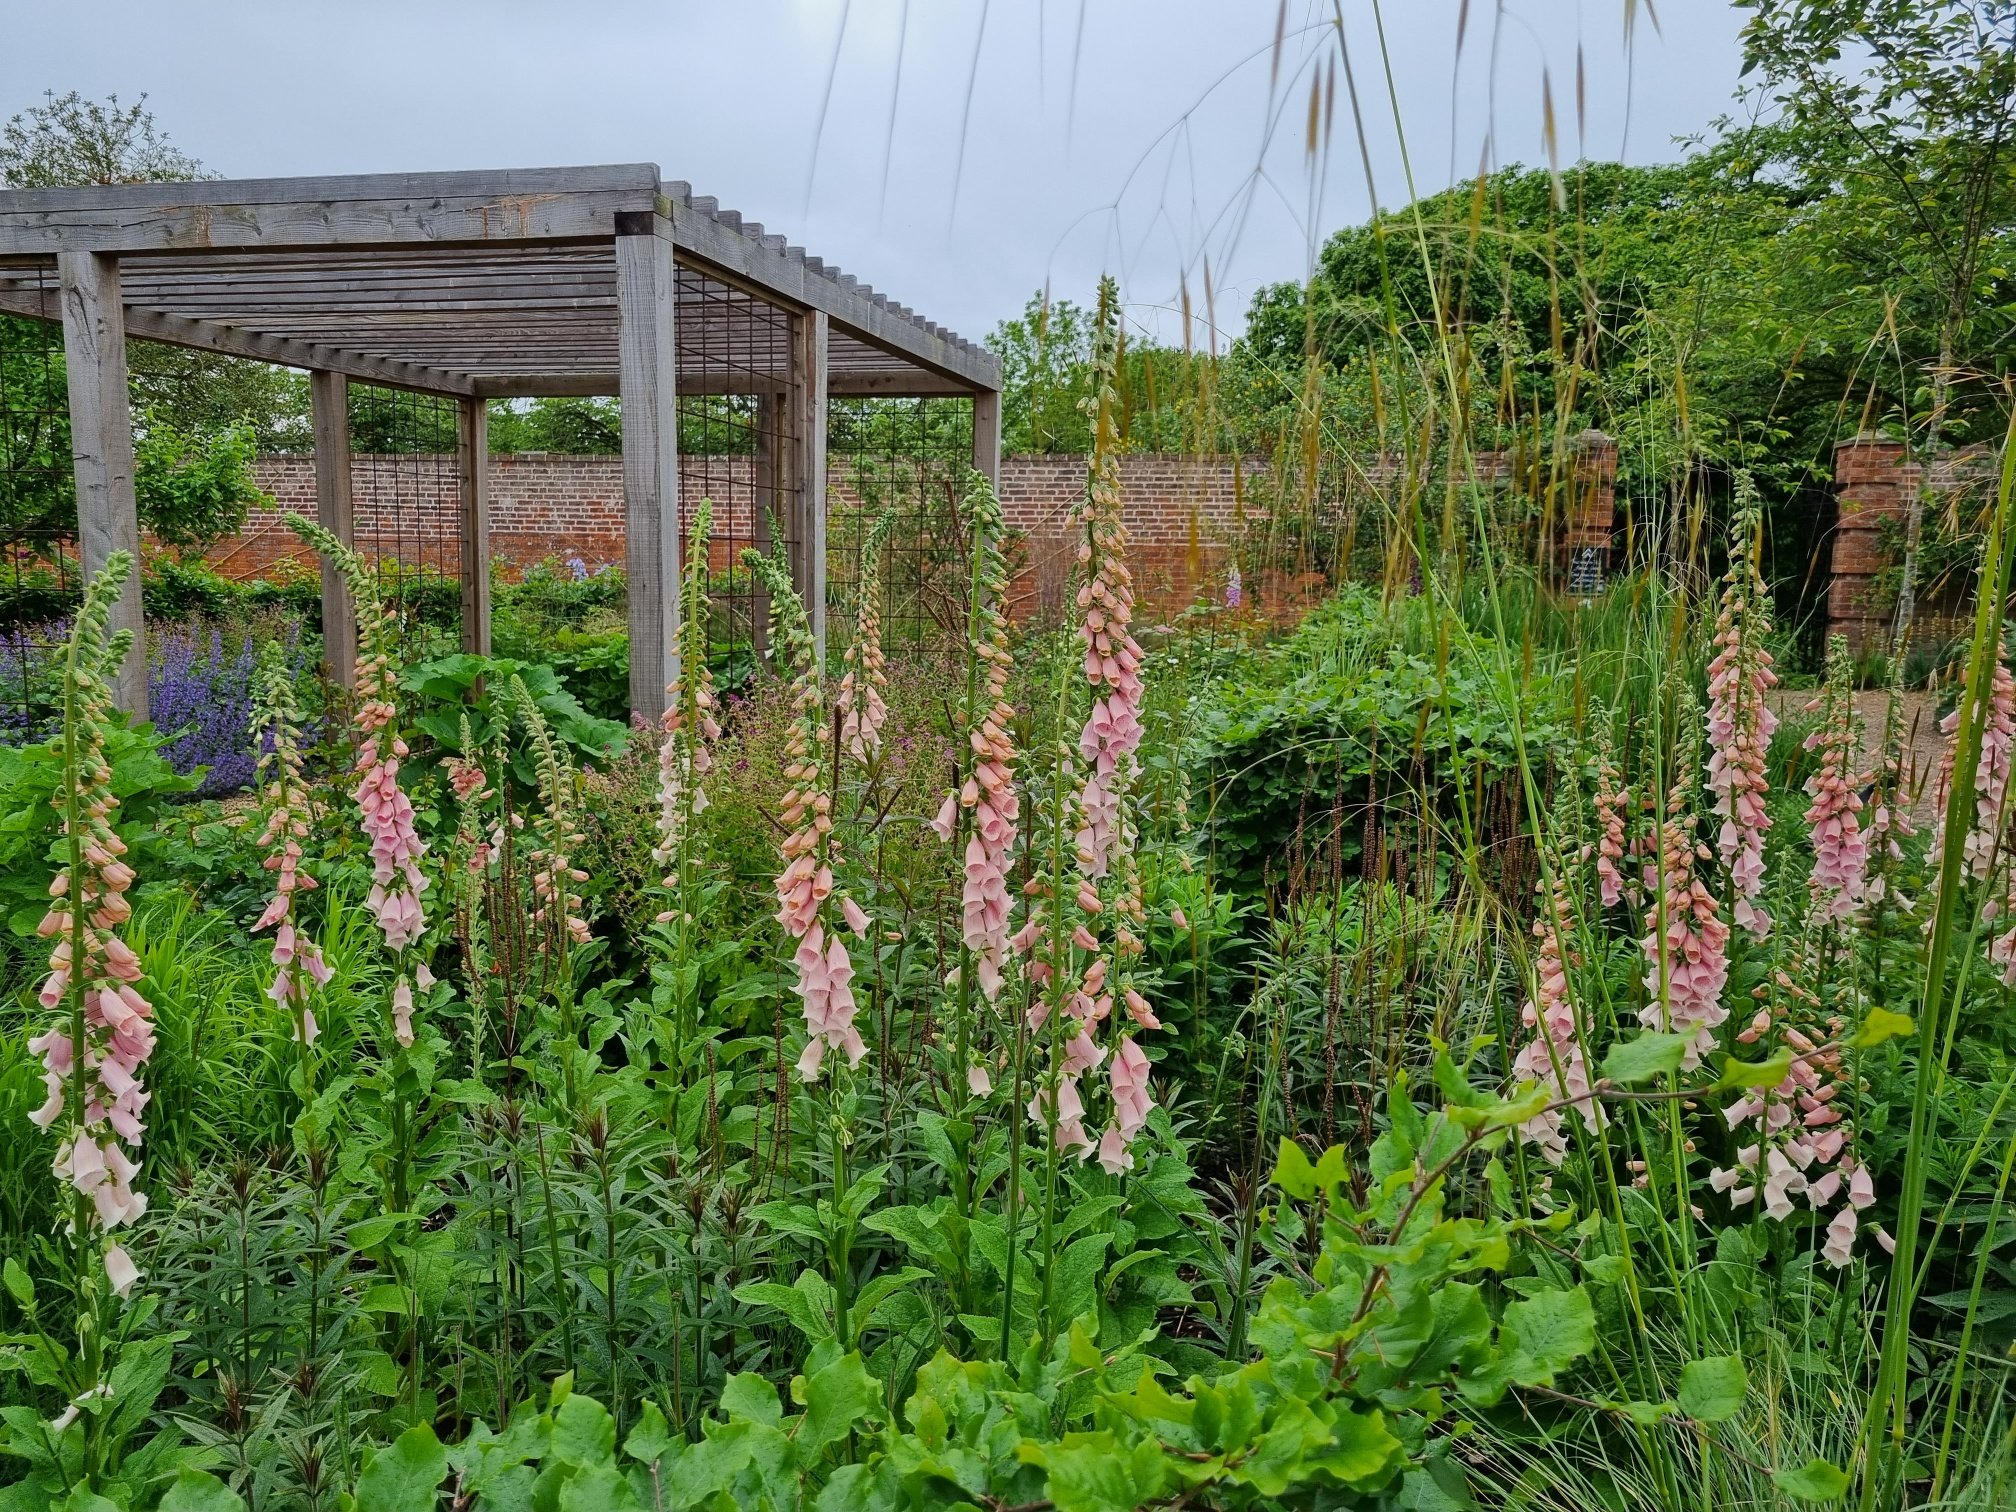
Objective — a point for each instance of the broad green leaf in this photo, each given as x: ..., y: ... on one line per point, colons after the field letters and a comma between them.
x: 583, y: 1432
x: 1764, y: 1073
x: 194, y: 1491
x: 1650, y: 1055
x: 751, y: 1396
x: 1880, y: 1025
x: 1293, y: 1173
x: 1711, y: 1390
x: 19, y: 1287
x: 403, y: 1477
x: 651, y: 1440
x: 836, y: 1398
x: 1816, y: 1480
x: 600, y: 1488
x: 1545, y: 1334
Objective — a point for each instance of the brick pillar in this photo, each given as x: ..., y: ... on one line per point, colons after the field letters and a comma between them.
x: 1592, y: 511
x: 1873, y: 483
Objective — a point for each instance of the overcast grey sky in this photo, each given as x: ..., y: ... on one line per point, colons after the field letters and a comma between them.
x: 1080, y: 135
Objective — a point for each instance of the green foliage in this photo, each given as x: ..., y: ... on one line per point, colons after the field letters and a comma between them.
x: 477, y: 689
x: 30, y: 823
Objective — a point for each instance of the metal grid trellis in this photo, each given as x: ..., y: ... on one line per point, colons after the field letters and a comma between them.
x: 739, y: 445
x: 407, y: 488
x: 911, y: 456
x: 39, y: 570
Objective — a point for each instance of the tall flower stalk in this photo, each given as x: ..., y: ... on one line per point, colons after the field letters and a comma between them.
x: 1740, y: 723
x: 859, y: 703
x: 806, y: 903
x: 810, y: 850
x: 1840, y: 849
x: 981, y: 812
x: 92, y: 1055
x: 1687, y: 941
x: 383, y: 808
x: 287, y: 814
x: 1554, y: 1056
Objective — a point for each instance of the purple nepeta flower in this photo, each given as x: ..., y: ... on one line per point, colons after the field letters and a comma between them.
x: 199, y: 691
x: 1235, y: 589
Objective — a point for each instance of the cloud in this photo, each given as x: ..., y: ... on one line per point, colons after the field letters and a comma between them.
x: 1141, y: 136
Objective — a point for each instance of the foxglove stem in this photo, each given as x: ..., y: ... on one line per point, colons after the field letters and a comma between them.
x: 385, y: 810
x: 1740, y: 723
x: 685, y: 757
x: 1687, y: 942
x: 1804, y: 1145
x: 297, y: 959
x: 1554, y: 1056
x: 93, y: 1055
x: 1840, y: 850
x: 1888, y: 804
x: 982, y: 809
x: 825, y: 970
x: 1106, y: 901
x: 859, y: 703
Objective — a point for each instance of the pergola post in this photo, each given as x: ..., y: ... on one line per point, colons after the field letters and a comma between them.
x: 770, y: 486
x: 646, y: 288
x: 472, y: 457
x: 806, y: 394
x: 101, y: 447
x: 335, y: 512
x: 987, y: 435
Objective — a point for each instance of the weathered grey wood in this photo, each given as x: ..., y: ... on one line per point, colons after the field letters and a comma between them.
x: 335, y: 512
x: 769, y: 497
x: 472, y: 466
x: 101, y: 448
x: 808, y: 467
x: 734, y: 258
x: 484, y: 183
x: 647, y: 369
x: 987, y: 435
x: 232, y: 342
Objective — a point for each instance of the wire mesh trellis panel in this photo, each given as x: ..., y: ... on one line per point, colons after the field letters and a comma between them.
x: 910, y: 456
x: 738, y: 446
x: 406, y: 485
x: 39, y: 572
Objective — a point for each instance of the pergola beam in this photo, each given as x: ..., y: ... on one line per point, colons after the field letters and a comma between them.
x: 151, y: 325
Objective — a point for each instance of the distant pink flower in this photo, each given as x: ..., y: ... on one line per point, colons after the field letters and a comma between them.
x: 1740, y: 725
x: 288, y: 822
x: 1688, y: 964
x: 1840, y: 851
x: 1613, y: 800
x: 1553, y: 1057
x: 1991, y: 769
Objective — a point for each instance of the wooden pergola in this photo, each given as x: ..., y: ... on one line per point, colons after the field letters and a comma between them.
x: 519, y: 283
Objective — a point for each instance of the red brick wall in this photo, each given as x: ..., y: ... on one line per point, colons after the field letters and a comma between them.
x: 1874, y: 481
x: 1183, y: 514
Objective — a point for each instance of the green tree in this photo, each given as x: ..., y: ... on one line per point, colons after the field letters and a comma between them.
x: 199, y: 418
x: 1168, y: 396
x: 1898, y: 115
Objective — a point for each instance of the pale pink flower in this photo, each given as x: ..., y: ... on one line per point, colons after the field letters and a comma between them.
x: 1613, y: 801
x: 1740, y: 723
x: 1840, y: 851
x: 1688, y: 964
x: 94, y: 1097
x: 1991, y: 769
x: 1553, y: 1057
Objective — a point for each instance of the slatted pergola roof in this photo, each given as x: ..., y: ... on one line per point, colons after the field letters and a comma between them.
x: 559, y: 281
